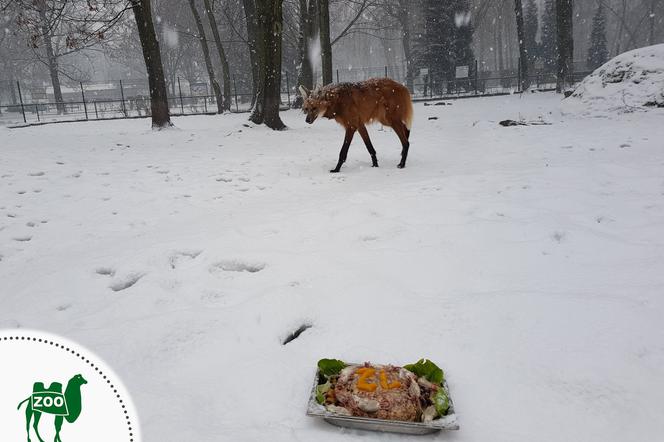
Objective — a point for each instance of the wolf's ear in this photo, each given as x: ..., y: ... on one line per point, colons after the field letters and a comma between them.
x: 304, y: 92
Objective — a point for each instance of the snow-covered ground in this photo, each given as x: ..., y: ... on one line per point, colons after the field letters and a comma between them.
x: 528, y: 262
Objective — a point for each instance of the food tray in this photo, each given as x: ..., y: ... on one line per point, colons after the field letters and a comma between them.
x: 447, y: 422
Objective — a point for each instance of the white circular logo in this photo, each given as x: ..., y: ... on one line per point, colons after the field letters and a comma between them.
x: 52, y: 389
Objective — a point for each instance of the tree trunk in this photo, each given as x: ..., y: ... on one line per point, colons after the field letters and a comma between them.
x: 51, y: 58
x: 222, y: 56
x: 305, y: 75
x: 325, y: 45
x: 157, y: 83
x: 405, y: 41
x: 252, y: 41
x: 268, y: 52
x: 523, y: 52
x: 206, y: 55
x: 565, y: 43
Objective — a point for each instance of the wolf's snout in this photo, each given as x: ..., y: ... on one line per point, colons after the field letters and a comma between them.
x: 309, y: 119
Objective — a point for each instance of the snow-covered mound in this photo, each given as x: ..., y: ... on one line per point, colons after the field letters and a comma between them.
x: 630, y: 81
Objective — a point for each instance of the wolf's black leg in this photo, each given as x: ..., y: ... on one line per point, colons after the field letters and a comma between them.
x: 403, y: 133
x: 367, y: 141
x: 344, y: 149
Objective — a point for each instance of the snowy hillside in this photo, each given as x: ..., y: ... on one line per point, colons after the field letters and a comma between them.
x: 631, y: 81
x: 528, y: 262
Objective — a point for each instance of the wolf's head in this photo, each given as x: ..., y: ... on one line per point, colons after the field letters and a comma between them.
x: 314, y: 104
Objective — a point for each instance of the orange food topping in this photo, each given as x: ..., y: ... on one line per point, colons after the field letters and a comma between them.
x: 384, y: 384
x: 362, y: 384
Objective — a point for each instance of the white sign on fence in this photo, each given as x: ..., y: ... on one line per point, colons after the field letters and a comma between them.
x: 462, y: 72
x: 38, y: 93
x: 424, y: 71
x: 198, y: 89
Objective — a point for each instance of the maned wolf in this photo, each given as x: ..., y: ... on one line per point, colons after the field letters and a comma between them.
x: 354, y: 105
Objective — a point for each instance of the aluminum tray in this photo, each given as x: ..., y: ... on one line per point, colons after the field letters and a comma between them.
x: 448, y: 422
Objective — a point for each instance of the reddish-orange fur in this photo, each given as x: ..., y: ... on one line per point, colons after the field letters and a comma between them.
x: 354, y: 105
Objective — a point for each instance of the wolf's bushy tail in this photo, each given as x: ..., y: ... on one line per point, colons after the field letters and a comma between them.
x: 407, y: 109
x: 22, y: 402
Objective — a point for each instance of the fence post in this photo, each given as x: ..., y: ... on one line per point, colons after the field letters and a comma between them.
x: 519, y: 79
x: 124, y: 107
x: 337, y: 76
x: 85, y: 107
x: 20, y: 97
x: 477, y: 75
x: 180, y: 91
x: 385, y: 71
x: 96, y: 114
x: 288, y: 89
x: 235, y: 90
x: 37, y: 110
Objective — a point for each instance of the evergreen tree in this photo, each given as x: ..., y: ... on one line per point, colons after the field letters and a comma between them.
x: 447, y: 38
x: 598, y: 54
x: 549, y: 43
x: 531, y: 25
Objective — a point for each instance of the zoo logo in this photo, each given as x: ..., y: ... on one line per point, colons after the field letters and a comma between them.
x: 51, y: 400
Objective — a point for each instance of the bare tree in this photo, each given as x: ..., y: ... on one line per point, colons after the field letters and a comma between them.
x: 226, y: 105
x: 64, y: 27
x: 268, y: 34
x: 206, y: 56
x: 307, y: 32
x: 150, y: 45
x: 401, y: 11
x: 325, y: 42
x: 252, y: 22
x: 523, y: 52
x: 564, y: 10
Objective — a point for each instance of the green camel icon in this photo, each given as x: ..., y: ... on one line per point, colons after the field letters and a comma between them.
x: 50, y: 400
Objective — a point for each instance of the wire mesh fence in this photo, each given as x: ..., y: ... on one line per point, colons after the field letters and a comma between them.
x: 24, y: 103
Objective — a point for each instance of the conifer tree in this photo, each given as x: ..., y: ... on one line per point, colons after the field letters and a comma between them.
x: 549, y: 43
x: 447, y: 38
x: 598, y: 54
x: 531, y: 25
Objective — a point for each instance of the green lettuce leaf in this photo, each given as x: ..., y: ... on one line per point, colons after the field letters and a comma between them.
x: 428, y: 369
x: 330, y: 367
x: 441, y: 401
x: 321, y: 390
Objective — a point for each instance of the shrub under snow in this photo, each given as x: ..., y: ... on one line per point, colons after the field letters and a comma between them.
x: 633, y: 80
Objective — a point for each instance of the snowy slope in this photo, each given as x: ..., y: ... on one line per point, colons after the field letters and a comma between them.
x: 527, y: 261
x: 630, y: 82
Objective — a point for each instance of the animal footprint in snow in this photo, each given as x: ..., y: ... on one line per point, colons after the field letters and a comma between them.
x: 236, y: 266
x: 123, y: 283
x: 105, y: 271
x: 244, y: 179
x: 178, y: 257
x: 558, y: 236
x: 367, y: 238
x: 224, y: 179
x: 22, y: 238
x: 36, y: 174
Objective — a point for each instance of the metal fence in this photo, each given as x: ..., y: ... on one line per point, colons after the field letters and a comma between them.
x: 25, y: 104
x: 22, y: 104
